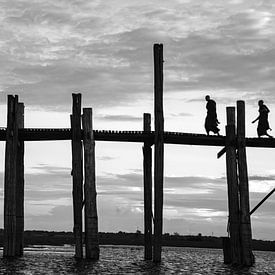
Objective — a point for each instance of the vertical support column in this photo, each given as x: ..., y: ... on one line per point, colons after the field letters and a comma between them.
x: 147, y: 182
x: 77, y: 173
x: 91, y: 220
x: 19, y: 247
x: 232, y: 185
x: 159, y: 151
x: 245, y: 228
x: 226, y: 250
x: 10, y: 178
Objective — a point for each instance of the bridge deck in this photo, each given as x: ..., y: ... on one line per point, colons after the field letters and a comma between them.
x: 39, y: 134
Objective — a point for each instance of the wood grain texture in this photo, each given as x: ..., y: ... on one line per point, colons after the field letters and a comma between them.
x: 19, y: 247
x: 232, y: 187
x: 90, y: 205
x: 147, y: 184
x: 10, y: 178
x: 159, y: 151
x: 245, y: 227
x: 77, y: 173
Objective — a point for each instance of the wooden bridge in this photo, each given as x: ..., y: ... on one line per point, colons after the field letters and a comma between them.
x: 237, y: 248
x: 47, y: 134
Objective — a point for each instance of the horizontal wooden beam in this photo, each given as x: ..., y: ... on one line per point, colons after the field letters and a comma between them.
x: 44, y: 134
x: 37, y: 134
x: 260, y: 142
x: 193, y: 139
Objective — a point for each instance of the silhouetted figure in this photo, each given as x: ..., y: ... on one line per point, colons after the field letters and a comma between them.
x: 211, y: 121
x: 263, y: 124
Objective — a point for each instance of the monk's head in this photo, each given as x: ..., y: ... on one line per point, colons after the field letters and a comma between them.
x: 207, y: 97
x: 260, y: 102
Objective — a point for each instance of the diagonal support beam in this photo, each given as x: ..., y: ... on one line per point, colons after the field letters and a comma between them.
x: 262, y: 201
x: 222, y: 152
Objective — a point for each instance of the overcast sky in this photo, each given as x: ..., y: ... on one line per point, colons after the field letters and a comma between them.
x: 103, y: 49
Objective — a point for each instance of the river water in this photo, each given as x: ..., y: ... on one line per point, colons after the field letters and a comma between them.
x: 129, y: 260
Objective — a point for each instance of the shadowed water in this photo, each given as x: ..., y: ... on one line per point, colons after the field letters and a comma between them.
x: 129, y: 260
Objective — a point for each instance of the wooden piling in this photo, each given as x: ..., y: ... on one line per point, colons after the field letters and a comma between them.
x: 245, y: 222
x: 10, y: 179
x: 147, y: 183
x: 226, y: 250
x: 232, y: 185
x: 90, y: 207
x: 77, y: 173
x: 159, y: 151
x: 19, y: 247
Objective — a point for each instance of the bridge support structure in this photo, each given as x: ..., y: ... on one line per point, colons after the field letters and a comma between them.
x: 159, y: 151
x: 14, y: 181
x: 90, y: 204
x: 247, y: 257
x: 238, y: 250
x: 147, y: 191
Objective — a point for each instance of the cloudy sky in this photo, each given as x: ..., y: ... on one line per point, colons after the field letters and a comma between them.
x: 103, y: 49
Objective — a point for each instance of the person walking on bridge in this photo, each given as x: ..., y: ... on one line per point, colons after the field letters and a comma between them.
x: 211, y: 120
x: 263, y: 124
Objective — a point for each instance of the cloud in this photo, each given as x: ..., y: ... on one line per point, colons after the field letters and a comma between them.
x: 103, y: 49
x: 50, y: 50
x: 120, y: 118
x: 191, y: 204
x: 60, y: 216
x: 183, y: 114
x: 106, y: 158
x: 262, y: 178
x: 48, y: 169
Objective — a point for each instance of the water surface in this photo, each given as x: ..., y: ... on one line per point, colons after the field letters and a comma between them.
x: 129, y: 260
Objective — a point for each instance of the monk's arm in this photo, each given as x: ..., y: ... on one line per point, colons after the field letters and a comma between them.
x: 255, y: 119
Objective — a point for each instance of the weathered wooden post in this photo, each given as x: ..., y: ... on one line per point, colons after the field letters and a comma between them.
x: 159, y: 151
x: 147, y: 183
x: 227, y: 259
x: 10, y: 178
x: 77, y: 173
x: 91, y: 220
x: 19, y: 247
x: 232, y: 185
x: 245, y: 223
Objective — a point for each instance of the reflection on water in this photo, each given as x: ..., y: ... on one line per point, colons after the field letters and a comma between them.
x: 129, y: 260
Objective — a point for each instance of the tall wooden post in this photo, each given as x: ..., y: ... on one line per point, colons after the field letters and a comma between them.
x: 232, y: 185
x: 147, y: 183
x: 77, y: 173
x: 159, y: 151
x: 245, y: 227
x: 19, y: 247
x: 91, y: 220
x: 10, y: 178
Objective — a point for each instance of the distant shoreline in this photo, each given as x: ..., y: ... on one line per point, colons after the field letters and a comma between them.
x: 37, y: 237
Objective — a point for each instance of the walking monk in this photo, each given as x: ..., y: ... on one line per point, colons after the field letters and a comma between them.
x: 263, y: 124
x: 211, y: 121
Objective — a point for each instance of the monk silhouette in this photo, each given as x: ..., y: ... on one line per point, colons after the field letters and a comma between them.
x: 263, y: 124
x: 211, y: 121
